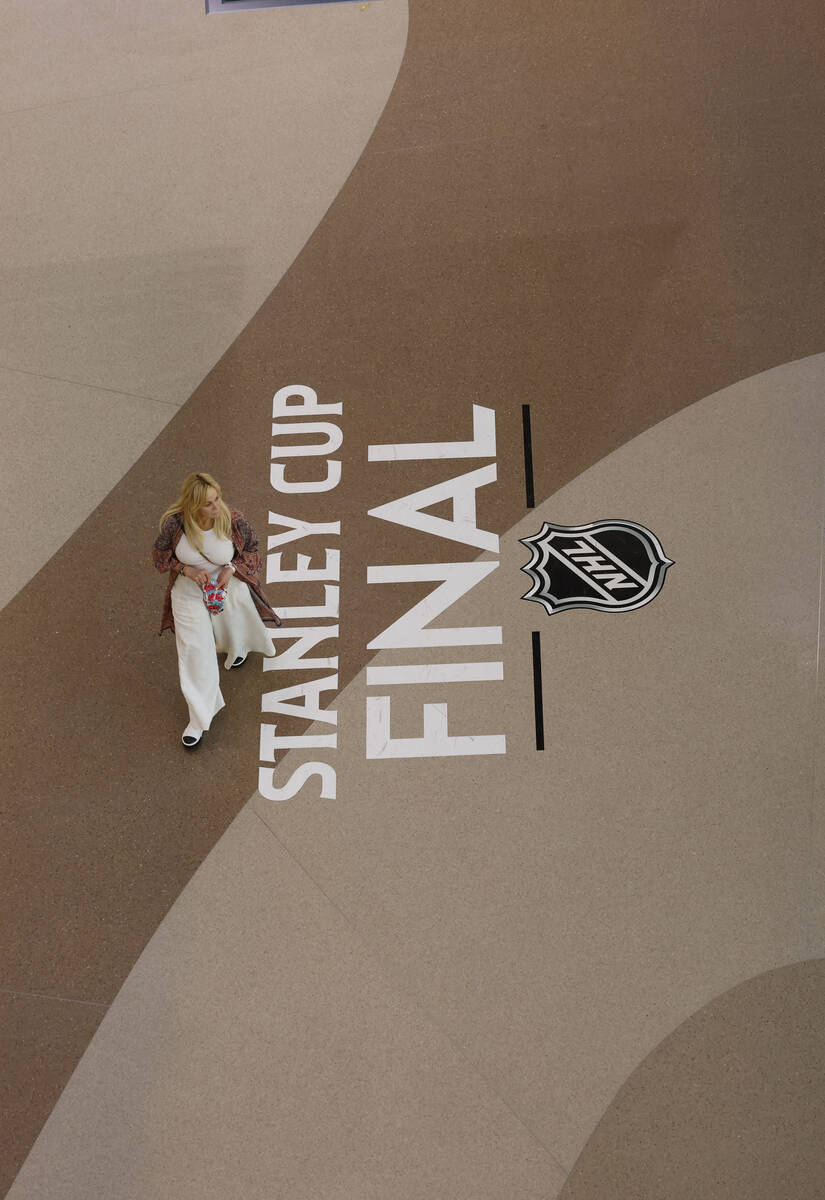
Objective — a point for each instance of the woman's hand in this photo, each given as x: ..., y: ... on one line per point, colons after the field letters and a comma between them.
x: 224, y: 576
x: 200, y: 577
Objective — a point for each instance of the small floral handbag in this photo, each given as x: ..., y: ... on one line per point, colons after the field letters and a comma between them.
x: 214, y: 596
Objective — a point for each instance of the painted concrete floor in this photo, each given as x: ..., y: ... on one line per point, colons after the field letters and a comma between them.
x: 413, y: 921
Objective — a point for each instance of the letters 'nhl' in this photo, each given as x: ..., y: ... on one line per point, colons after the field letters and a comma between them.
x: 612, y: 566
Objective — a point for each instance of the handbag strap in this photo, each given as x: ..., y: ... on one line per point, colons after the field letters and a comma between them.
x: 208, y: 559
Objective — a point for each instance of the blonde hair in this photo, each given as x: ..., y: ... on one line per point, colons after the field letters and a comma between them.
x: 192, y: 497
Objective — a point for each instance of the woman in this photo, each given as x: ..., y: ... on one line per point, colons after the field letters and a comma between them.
x: 201, y: 539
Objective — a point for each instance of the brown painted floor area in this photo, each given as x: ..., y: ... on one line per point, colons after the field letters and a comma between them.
x: 535, y: 923
x: 121, y: 286
x: 49, y: 1036
x: 729, y: 1105
x: 606, y: 214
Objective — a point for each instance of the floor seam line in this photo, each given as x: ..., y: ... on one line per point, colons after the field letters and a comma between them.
x: 167, y: 84
x: 613, y: 118
x: 97, y: 387
x: 806, y: 938
x: 385, y: 971
x: 46, y: 996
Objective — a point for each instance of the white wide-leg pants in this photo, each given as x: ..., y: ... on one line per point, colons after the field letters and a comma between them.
x: 201, y: 635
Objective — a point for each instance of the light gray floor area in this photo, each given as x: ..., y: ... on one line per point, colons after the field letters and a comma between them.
x: 163, y: 169
x: 435, y: 984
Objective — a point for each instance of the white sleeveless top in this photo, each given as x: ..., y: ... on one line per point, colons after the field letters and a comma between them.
x: 219, y: 549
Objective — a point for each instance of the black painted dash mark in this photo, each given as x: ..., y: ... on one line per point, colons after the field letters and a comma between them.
x: 528, y: 456
x: 537, y: 693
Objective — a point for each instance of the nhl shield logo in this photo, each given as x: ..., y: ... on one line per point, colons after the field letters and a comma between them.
x: 612, y: 566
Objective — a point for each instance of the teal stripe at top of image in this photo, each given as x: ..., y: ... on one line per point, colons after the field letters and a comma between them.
x: 213, y: 6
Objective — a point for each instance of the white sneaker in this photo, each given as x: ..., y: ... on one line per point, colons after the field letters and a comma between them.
x: 191, y: 736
